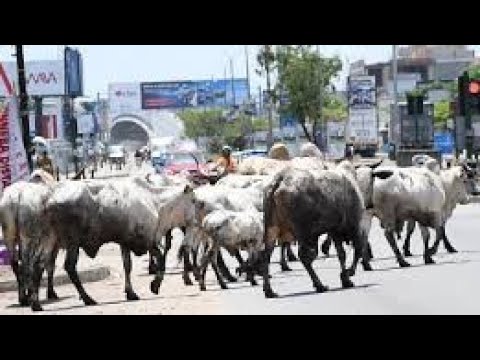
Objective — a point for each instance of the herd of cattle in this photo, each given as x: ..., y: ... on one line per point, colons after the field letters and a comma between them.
x: 271, y: 201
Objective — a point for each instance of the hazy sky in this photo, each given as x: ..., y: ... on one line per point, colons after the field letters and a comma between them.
x: 104, y: 64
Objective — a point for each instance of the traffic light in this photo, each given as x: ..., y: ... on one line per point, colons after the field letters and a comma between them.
x: 468, y: 95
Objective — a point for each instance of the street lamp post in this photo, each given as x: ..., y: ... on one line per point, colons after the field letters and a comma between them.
x: 22, y: 87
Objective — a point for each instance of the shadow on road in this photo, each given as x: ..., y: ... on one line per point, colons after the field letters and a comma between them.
x: 306, y: 293
x: 42, y: 302
x: 424, y: 265
x: 123, y: 301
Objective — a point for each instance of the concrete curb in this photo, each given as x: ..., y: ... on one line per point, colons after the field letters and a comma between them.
x: 86, y: 276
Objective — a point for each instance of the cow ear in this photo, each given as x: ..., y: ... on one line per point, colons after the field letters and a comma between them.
x: 188, y: 189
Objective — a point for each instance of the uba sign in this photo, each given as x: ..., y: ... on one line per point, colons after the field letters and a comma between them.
x: 44, y: 78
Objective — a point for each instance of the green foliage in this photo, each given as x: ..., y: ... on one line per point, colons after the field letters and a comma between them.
x: 305, y: 77
x: 334, y: 108
x: 442, y: 112
x: 212, y: 124
x: 474, y: 72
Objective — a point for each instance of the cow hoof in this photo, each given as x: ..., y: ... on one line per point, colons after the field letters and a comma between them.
x: 224, y: 286
x: 347, y: 284
x: 366, y: 267
x: 131, y: 296
x: 350, y: 272
x: 154, y: 287
x: 432, y: 251
x: 88, y: 301
x: 429, y: 261
x: 187, y: 281
x: 203, y: 288
x: 407, y: 253
x: 404, y: 264
x: 253, y: 283
x: 286, y: 268
x: 24, y: 302
x: 451, y: 250
x: 270, y: 294
x: 52, y: 295
x: 232, y: 279
x: 321, y: 289
x: 36, y: 307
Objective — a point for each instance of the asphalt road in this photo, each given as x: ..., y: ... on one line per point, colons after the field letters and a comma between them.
x: 451, y: 286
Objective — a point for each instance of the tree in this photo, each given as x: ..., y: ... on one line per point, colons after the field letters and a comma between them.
x: 214, y: 125
x: 266, y: 59
x: 442, y: 112
x: 305, y: 76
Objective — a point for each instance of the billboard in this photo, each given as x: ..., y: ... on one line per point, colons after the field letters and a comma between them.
x: 191, y: 94
x: 44, y: 78
x: 124, y: 98
x: 165, y: 95
x: 73, y: 72
x: 362, y: 92
x: 362, y: 107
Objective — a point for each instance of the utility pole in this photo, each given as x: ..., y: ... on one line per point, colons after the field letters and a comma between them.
x: 267, y: 50
x: 249, y: 105
x: 395, y: 114
x: 320, y: 112
x: 233, y: 84
x: 22, y: 87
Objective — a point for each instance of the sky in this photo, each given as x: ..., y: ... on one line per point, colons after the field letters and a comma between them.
x: 104, y: 64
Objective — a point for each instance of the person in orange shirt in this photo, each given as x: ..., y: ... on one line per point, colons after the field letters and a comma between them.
x: 226, y: 163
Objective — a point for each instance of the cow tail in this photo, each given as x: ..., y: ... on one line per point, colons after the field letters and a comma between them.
x: 268, y: 204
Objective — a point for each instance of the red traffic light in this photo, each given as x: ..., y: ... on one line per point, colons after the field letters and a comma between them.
x: 474, y: 88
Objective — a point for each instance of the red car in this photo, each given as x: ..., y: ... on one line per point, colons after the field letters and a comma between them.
x: 184, y: 163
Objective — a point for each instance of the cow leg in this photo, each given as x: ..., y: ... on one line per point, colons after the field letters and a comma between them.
x: 290, y: 255
x: 127, y: 266
x: 186, y: 266
x: 427, y: 256
x: 160, y: 257
x: 214, y: 256
x: 446, y: 242
x: 220, y: 264
x: 308, y: 252
x: 283, y: 257
x: 202, y: 269
x: 438, y: 238
x: 406, y: 245
x: 326, y: 245
x: 19, y: 272
x: 152, y: 268
x: 361, y: 251
x: 393, y: 244
x: 195, y: 268
x: 71, y: 269
x: 346, y: 282
x: 51, y: 294
x: 265, y: 256
x: 36, y: 273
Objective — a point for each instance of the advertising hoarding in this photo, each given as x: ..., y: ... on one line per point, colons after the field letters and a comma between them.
x: 191, y: 94
x: 124, y: 98
x: 73, y: 72
x: 44, y: 78
x: 362, y: 107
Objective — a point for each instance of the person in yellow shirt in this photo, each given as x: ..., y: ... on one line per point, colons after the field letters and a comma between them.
x: 226, y: 164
